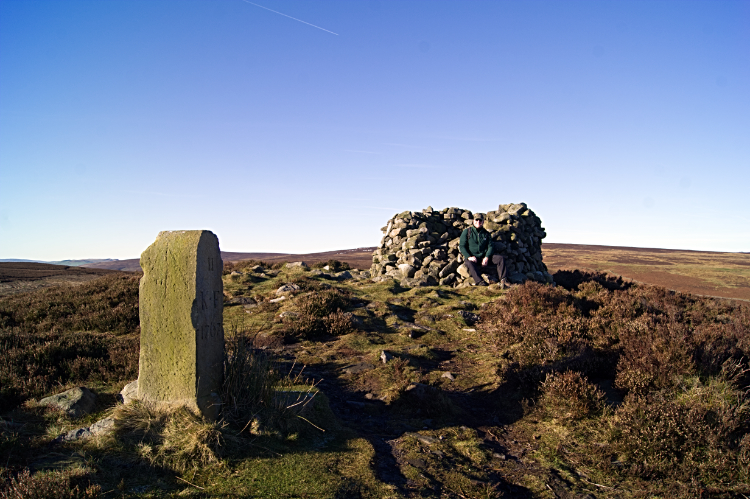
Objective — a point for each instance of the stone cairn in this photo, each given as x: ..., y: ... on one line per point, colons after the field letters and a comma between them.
x: 421, y: 248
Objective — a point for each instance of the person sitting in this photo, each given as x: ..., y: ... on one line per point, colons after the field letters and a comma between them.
x: 476, y: 244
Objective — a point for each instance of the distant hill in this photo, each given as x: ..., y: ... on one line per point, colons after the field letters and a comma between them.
x: 24, y: 276
x: 67, y: 263
x: 701, y: 272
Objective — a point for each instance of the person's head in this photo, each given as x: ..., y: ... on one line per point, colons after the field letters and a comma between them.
x: 478, y: 220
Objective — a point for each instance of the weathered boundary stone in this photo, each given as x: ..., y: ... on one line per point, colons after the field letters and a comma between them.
x: 181, y: 312
x: 421, y: 248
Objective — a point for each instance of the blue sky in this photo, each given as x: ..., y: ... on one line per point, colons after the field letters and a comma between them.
x: 618, y: 123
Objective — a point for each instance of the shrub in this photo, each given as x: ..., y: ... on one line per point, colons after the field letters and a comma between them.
x: 333, y: 265
x: 107, y: 304
x: 68, y: 334
x: 320, y: 313
x: 49, y: 485
x: 654, y: 355
x: 698, y: 432
x: 570, y: 395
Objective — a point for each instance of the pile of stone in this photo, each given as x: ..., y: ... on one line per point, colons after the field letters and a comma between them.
x: 421, y: 248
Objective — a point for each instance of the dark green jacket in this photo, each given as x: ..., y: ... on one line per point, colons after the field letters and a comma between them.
x: 476, y: 242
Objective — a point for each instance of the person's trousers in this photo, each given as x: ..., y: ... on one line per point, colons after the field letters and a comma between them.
x: 475, y: 269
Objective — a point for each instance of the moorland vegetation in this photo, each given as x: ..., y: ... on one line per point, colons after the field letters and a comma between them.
x: 348, y: 388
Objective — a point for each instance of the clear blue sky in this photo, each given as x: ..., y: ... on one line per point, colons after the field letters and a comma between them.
x: 618, y: 123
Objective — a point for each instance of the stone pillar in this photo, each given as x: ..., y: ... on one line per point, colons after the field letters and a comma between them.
x: 181, y: 312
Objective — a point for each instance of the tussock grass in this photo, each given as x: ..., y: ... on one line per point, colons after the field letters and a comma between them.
x: 176, y: 439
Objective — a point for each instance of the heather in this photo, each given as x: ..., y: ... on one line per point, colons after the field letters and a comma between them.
x: 594, y: 387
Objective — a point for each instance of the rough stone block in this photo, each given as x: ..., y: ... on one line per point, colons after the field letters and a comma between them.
x: 181, y: 312
x: 76, y: 402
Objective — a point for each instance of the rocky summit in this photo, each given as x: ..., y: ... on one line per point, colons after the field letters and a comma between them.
x: 421, y: 248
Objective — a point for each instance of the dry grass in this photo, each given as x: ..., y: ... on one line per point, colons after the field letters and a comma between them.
x: 176, y: 439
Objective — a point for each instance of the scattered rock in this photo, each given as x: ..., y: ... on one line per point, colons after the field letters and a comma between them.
x: 448, y: 376
x: 235, y: 273
x: 277, y: 300
x: 468, y: 317
x: 76, y: 402
x: 359, y: 367
x: 102, y: 426
x: 288, y: 315
x: 301, y: 265
x: 425, y: 439
x: 287, y: 288
x: 417, y: 463
x: 385, y: 357
x: 343, y: 276
x: 267, y: 339
x: 241, y: 300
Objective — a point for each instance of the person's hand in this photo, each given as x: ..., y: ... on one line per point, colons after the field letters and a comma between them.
x: 472, y: 259
x: 485, y: 261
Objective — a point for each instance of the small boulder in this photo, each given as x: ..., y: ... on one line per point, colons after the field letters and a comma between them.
x: 287, y: 288
x: 76, y: 402
x: 130, y: 392
x: 358, y: 368
x: 385, y: 357
x: 299, y: 265
x: 102, y: 426
x: 343, y: 276
x: 468, y: 317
